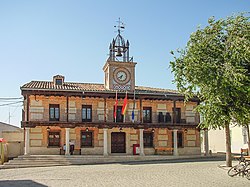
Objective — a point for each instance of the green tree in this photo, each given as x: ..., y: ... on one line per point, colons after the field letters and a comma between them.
x: 215, y: 67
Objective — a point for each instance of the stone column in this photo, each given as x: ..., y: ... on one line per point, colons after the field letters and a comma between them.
x: 67, y: 141
x: 105, y: 142
x: 27, y: 141
x: 175, y: 143
x: 206, y: 145
x: 141, y: 143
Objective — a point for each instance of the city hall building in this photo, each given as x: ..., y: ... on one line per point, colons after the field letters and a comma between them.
x: 58, y: 114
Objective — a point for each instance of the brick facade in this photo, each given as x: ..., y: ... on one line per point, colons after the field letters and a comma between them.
x: 39, y: 111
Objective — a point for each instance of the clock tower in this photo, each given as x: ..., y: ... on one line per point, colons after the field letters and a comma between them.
x: 119, y: 68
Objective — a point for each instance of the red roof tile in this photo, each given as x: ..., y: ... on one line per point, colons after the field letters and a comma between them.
x: 69, y: 86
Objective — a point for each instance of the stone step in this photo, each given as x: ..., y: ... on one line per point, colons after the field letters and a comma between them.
x: 27, y: 166
x: 62, y: 160
x: 75, y: 159
x: 56, y: 158
x: 24, y: 159
x: 27, y: 163
x: 71, y: 161
x: 35, y: 161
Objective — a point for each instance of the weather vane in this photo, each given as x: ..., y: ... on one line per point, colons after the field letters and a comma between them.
x: 120, y: 26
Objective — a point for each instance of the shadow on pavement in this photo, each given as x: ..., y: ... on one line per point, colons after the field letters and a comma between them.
x: 204, y: 159
x: 19, y: 183
x: 163, y: 161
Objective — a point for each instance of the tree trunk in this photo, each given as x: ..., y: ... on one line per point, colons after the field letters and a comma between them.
x: 248, y: 139
x: 228, y: 146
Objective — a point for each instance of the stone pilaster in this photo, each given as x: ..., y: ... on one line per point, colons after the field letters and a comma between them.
x: 67, y: 141
x: 175, y: 143
x: 105, y: 142
x: 27, y: 141
x: 141, y: 143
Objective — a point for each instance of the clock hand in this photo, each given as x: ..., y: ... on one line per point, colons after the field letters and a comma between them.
x: 120, y: 77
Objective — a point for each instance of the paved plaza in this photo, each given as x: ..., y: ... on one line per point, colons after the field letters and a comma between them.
x: 157, y: 173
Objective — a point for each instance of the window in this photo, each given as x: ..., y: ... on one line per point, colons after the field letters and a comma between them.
x: 119, y: 116
x: 160, y: 117
x: 87, y: 113
x: 179, y: 139
x: 147, y: 113
x: 59, y: 81
x: 148, y: 139
x: 86, y: 139
x: 164, y: 118
x: 54, y: 112
x: 54, y: 139
x: 177, y: 115
x: 168, y: 117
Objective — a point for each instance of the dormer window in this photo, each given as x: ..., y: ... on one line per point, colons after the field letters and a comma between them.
x: 58, y: 80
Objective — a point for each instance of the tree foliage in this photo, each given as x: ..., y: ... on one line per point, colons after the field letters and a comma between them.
x: 215, y: 67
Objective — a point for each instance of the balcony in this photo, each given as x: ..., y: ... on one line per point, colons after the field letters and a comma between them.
x: 98, y: 116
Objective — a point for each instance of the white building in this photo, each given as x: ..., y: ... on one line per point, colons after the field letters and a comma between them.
x: 217, y: 139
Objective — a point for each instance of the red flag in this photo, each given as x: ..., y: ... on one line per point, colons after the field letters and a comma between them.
x: 116, y: 103
x: 125, y: 103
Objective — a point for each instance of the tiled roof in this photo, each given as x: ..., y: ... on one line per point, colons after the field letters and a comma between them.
x: 143, y: 89
x: 47, y: 85
x: 69, y: 86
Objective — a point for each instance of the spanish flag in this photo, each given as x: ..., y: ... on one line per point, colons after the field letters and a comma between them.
x: 125, y: 103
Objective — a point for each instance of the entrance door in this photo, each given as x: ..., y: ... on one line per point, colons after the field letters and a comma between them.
x: 118, y: 144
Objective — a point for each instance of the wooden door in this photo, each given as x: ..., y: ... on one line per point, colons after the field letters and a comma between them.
x: 118, y: 142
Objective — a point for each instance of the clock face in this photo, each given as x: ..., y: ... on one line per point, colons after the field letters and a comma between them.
x: 121, y: 75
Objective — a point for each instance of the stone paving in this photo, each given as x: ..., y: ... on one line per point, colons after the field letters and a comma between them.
x: 203, y: 173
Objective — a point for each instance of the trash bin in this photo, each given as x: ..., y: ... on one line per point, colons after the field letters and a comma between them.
x: 136, y: 149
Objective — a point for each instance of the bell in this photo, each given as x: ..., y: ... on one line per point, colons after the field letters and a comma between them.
x: 119, y: 52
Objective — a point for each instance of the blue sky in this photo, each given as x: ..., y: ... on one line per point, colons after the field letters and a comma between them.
x: 39, y: 39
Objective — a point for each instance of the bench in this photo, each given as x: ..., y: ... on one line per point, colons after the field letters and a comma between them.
x: 62, y: 151
x: 163, y: 149
x: 239, y: 157
x: 243, y: 154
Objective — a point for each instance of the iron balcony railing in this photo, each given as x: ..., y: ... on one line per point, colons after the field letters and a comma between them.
x: 77, y: 115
